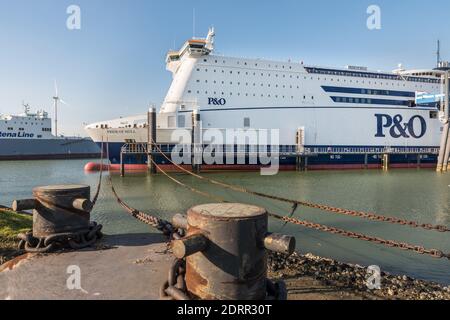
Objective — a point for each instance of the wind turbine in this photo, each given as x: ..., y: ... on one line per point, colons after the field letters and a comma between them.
x: 56, y: 98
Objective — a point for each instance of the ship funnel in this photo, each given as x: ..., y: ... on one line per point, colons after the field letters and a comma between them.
x: 210, y: 39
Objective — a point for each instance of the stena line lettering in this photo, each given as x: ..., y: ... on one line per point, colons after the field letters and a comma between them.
x: 16, y: 135
x: 217, y: 101
x: 397, y: 127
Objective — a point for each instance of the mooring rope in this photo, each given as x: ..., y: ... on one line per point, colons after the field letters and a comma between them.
x: 435, y: 253
x: 326, y: 208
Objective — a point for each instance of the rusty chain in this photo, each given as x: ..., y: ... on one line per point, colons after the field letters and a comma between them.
x: 74, y: 240
x: 160, y: 224
x: 174, y: 288
x: 389, y: 243
x: 99, y: 184
x: 336, y: 210
x: 276, y: 291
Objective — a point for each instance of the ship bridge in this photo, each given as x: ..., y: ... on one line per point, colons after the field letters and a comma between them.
x: 439, y: 72
x: 193, y: 47
x: 443, y: 72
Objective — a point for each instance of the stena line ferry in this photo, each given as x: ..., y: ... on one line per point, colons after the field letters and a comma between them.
x: 346, y: 117
x: 28, y: 136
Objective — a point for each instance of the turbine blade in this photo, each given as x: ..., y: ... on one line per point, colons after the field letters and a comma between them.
x: 63, y: 102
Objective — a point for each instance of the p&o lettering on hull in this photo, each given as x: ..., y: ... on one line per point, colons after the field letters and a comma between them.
x: 217, y: 101
x: 396, y: 127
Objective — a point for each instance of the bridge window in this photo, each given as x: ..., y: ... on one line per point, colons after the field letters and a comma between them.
x: 433, y: 114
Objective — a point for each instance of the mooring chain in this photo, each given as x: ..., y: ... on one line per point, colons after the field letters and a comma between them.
x: 99, y: 184
x: 192, y: 189
x: 155, y: 222
x: 174, y: 288
x: 74, y: 240
x: 354, y: 213
x: 160, y: 224
x: 390, y: 243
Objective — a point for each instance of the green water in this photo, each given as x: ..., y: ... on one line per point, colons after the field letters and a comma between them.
x: 420, y: 195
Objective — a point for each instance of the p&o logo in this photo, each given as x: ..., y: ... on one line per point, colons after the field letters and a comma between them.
x: 217, y: 101
x: 415, y: 127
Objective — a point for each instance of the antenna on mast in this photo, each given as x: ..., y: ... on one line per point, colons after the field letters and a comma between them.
x: 26, y: 107
x: 193, y: 22
x: 438, y: 53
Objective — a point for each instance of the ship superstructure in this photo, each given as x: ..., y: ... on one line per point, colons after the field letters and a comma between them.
x: 29, y: 136
x: 344, y: 113
x: 26, y: 125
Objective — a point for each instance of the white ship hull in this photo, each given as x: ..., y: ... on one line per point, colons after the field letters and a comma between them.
x: 348, y: 117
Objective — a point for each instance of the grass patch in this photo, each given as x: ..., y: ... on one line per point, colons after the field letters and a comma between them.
x: 11, y: 224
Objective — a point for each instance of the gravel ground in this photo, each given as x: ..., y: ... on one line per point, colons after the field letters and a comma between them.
x: 352, y: 278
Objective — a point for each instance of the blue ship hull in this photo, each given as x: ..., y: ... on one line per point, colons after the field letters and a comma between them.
x: 37, y: 149
x: 407, y: 158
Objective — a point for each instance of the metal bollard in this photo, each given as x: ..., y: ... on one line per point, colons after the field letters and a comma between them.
x: 225, y: 251
x: 61, y: 214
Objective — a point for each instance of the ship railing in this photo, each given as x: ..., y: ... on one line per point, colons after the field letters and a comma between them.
x: 371, y: 150
x: 183, y: 103
x: 134, y: 148
x: 143, y: 148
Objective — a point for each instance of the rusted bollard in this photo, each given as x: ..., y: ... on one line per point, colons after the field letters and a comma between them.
x: 225, y: 251
x: 61, y: 215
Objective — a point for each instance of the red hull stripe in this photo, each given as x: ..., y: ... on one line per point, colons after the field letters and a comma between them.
x: 91, y: 167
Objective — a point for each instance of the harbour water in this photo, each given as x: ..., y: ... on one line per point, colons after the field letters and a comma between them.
x: 420, y: 195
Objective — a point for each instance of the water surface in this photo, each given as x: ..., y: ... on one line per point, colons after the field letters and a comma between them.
x: 421, y: 195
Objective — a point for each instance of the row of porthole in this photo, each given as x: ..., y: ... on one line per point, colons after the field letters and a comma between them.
x: 31, y: 123
x: 371, y: 75
x: 247, y: 84
x: 22, y: 129
x: 127, y: 126
x: 254, y: 95
x: 247, y: 73
x: 312, y: 78
x: 245, y: 63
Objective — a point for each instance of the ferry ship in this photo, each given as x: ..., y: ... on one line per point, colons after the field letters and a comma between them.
x: 346, y: 117
x: 28, y: 136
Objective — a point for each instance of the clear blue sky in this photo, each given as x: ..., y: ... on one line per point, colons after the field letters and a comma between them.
x: 114, y: 66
